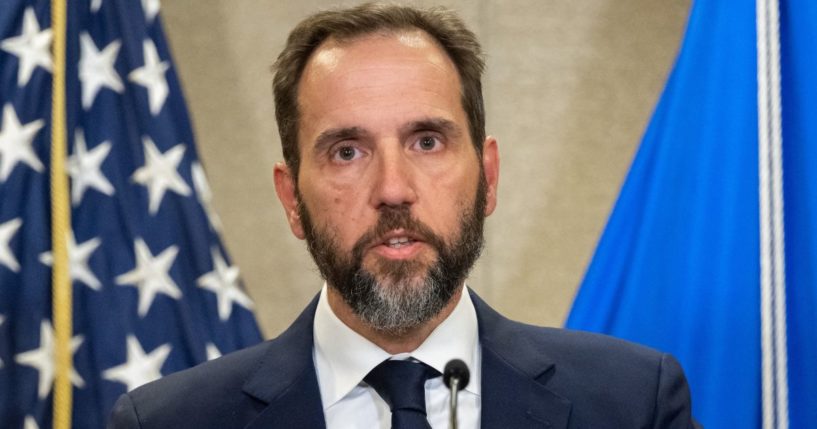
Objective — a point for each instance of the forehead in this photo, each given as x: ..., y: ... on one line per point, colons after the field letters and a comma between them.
x: 383, y: 44
x: 383, y: 65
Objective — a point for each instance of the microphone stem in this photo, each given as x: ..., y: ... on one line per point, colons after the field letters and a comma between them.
x: 455, y: 389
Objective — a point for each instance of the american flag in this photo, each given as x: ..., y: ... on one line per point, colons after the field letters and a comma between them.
x: 153, y: 289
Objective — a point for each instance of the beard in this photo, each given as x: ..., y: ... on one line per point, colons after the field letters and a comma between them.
x: 395, y: 297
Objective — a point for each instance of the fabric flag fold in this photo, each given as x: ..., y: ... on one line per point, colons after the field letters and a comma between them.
x: 153, y: 289
x: 709, y: 253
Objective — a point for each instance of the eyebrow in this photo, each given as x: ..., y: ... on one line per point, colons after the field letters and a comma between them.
x: 335, y: 134
x: 442, y: 125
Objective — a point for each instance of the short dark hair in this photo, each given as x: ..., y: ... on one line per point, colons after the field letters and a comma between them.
x: 443, y: 25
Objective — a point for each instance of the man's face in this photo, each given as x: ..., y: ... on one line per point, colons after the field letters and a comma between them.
x: 391, y: 193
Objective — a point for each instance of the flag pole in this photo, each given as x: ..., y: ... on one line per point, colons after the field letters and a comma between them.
x: 60, y: 226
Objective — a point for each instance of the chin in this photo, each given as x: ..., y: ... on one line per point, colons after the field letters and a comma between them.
x: 400, y: 273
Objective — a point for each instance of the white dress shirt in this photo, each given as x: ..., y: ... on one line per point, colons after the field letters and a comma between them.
x: 343, y: 357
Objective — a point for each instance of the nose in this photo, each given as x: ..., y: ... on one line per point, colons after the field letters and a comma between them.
x: 394, y: 181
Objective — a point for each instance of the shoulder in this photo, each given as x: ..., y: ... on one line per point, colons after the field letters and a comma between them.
x: 583, y: 354
x: 226, y: 372
x: 223, y: 393
x: 587, y: 350
x: 608, y: 379
x: 210, y: 393
x: 617, y: 366
x: 531, y: 346
x: 605, y: 379
x: 570, y: 349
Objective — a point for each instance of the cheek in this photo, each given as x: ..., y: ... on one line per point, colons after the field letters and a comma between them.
x: 325, y: 197
x: 448, y: 198
x: 339, y: 212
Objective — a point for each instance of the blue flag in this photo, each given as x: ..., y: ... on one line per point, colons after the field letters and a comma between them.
x: 153, y: 289
x: 711, y: 250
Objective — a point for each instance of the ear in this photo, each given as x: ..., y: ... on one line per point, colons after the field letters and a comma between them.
x: 490, y: 165
x: 285, y: 188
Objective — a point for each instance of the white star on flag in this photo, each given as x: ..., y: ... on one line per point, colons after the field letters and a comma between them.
x: 223, y: 281
x: 151, y: 8
x: 159, y: 173
x: 78, y: 256
x: 140, y: 367
x: 96, y: 68
x: 31, y: 47
x: 15, y: 143
x: 95, y: 5
x: 150, y: 276
x: 205, y: 196
x: 152, y: 76
x: 7, y: 231
x: 42, y: 359
x: 85, y: 168
x: 30, y: 423
x: 212, y: 351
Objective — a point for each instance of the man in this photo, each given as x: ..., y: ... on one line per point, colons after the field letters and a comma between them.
x: 388, y: 178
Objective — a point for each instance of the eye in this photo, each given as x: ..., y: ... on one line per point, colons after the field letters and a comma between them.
x: 428, y: 143
x: 346, y: 153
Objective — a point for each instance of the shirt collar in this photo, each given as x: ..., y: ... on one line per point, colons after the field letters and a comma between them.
x: 343, y: 357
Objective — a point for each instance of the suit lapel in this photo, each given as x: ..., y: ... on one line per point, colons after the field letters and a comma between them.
x: 286, y: 381
x: 515, y: 371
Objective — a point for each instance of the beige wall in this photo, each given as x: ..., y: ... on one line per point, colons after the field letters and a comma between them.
x: 570, y: 86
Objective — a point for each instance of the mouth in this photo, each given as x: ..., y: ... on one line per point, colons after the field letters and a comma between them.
x: 398, y: 244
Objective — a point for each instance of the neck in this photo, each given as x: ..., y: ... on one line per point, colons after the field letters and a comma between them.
x: 405, y: 342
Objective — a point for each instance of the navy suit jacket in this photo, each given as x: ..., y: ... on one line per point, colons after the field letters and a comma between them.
x: 532, y: 377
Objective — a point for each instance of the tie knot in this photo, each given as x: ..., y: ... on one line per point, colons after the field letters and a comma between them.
x: 401, y: 383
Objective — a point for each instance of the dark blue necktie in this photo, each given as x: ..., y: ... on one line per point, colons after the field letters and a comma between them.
x: 401, y: 384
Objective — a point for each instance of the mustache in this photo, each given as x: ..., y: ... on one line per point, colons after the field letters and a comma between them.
x: 390, y: 219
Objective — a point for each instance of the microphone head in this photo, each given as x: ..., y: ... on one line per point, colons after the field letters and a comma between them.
x: 456, y: 368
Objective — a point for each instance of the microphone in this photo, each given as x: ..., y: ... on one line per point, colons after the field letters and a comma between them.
x: 455, y: 377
